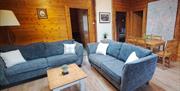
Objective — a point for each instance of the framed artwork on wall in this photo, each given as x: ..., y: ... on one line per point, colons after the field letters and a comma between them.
x: 104, y: 17
x: 42, y: 13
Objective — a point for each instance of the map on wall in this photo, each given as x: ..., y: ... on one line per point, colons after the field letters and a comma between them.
x: 161, y: 18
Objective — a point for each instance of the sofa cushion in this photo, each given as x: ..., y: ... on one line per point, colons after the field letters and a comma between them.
x: 102, y: 48
x: 33, y: 51
x: 127, y: 49
x: 97, y: 59
x: 12, y: 58
x: 54, y: 48
x: 59, y: 60
x: 68, y: 41
x: 8, y: 48
x: 27, y: 66
x: 91, y: 48
x: 114, y: 48
x: 113, y: 69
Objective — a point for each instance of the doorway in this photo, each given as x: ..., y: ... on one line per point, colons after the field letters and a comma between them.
x: 121, y: 26
x: 79, y: 25
x: 137, y: 23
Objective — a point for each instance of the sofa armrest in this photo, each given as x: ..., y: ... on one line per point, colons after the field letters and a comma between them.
x: 138, y: 73
x: 3, y: 80
x: 91, y: 48
x: 79, y: 52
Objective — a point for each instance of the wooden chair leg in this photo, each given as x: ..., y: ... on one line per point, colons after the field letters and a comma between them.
x: 167, y: 62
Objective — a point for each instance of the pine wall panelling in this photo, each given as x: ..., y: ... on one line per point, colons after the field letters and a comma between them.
x: 120, y: 6
x: 178, y: 29
x: 137, y: 6
x: 32, y: 29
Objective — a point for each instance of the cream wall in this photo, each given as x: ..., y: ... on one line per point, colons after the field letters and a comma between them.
x: 103, y: 6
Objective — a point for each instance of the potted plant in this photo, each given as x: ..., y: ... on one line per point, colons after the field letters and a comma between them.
x: 105, y: 35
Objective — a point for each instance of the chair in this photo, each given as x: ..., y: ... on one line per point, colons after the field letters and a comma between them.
x: 168, y: 52
x: 148, y: 36
x: 156, y: 37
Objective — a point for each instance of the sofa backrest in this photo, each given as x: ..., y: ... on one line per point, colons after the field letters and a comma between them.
x: 114, y: 48
x: 33, y: 51
x: 7, y: 48
x: 127, y: 49
x: 39, y: 50
x: 29, y: 52
x: 56, y: 48
x: 120, y: 50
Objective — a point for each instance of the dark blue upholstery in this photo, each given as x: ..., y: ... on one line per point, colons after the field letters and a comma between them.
x: 8, y: 48
x: 40, y: 57
x: 26, y: 67
x: 27, y: 75
x: 33, y: 51
x: 127, y: 49
x: 79, y: 52
x: 91, y: 48
x: 54, y: 61
x: 54, y: 48
x: 125, y: 77
x: 138, y: 73
x: 68, y: 41
x: 113, y: 69
x: 3, y: 79
x: 97, y: 59
x: 114, y: 48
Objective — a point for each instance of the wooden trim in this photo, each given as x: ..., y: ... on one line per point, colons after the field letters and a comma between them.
x: 117, y: 9
x: 114, y: 27
x: 144, y: 21
x: 68, y: 22
x: 91, y: 29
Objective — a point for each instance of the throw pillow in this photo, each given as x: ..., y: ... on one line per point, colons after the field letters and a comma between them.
x: 12, y: 58
x: 69, y: 48
x: 102, y: 48
x: 132, y: 57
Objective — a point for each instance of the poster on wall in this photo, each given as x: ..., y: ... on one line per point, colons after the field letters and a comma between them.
x: 104, y: 17
x: 161, y: 18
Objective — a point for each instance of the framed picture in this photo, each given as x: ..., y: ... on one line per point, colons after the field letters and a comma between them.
x: 104, y: 17
x: 42, y: 13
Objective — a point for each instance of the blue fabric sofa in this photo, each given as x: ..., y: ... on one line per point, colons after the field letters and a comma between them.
x: 40, y: 57
x: 125, y: 77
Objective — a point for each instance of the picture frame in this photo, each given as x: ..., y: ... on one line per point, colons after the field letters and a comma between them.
x: 42, y: 13
x: 104, y: 17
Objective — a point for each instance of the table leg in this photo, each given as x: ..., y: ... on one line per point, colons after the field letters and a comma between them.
x: 82, y: 85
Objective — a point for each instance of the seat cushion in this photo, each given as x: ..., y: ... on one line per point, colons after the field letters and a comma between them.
x: 33, y: 51
x: 114, y: 48
x: 27, y: 66
x: 54, y: 48
x: 127, y: 49
x: 113, y: 69
x: 97, y: 59
x: 59, y: 60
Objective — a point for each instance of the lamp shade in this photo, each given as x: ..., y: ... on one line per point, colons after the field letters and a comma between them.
x: 7, y: 18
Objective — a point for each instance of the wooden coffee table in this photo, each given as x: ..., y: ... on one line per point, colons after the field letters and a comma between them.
x: 58, y: 82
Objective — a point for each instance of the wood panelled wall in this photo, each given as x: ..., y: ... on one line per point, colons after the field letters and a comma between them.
x: 177, y: 30
x: 129, y: 6
x: 120, y: 6
x: 56, y: 27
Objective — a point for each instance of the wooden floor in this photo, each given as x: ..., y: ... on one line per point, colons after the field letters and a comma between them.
x: 165, y: 79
